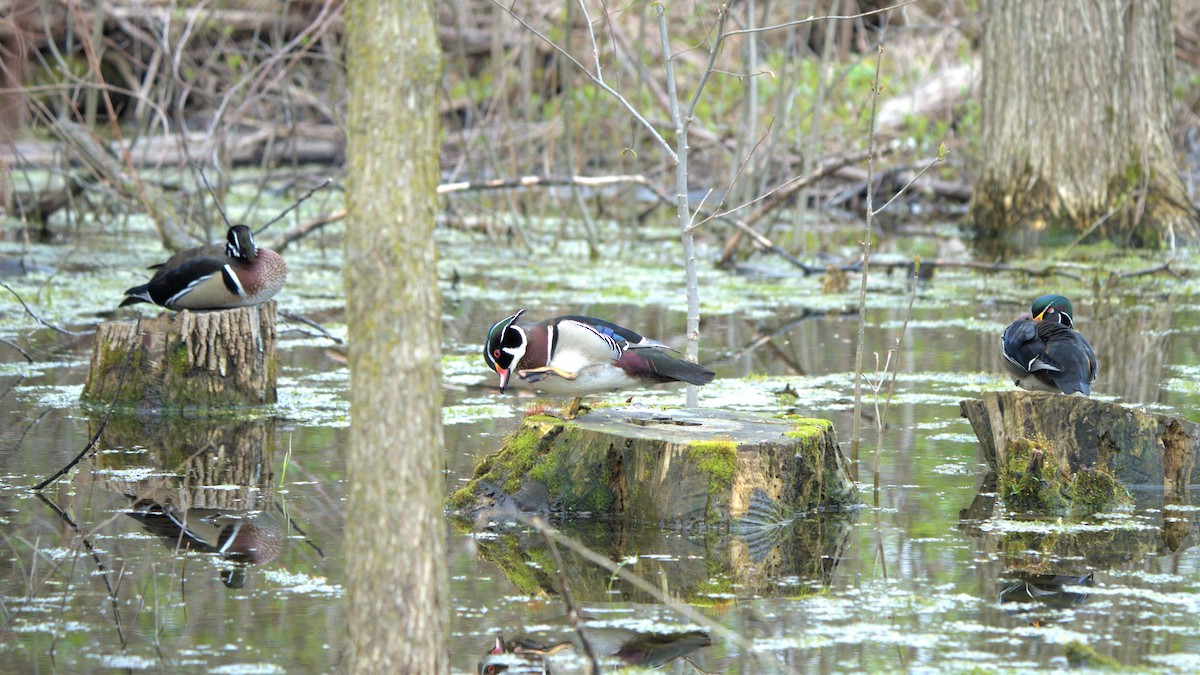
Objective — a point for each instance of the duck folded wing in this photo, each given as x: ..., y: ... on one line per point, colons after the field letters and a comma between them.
x: 1054, y: 353
x: 629, y: 338
x: 583, y: 341
x: 206, y: 282
x: 656, y: 365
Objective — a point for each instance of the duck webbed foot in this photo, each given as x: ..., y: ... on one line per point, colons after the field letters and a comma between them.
x: 538, y: 374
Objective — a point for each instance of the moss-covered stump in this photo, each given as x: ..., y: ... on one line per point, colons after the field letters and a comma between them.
x: 1031, y: 482
x: 186, y: 360
x: 679, y: 468
x: 1078, y: 433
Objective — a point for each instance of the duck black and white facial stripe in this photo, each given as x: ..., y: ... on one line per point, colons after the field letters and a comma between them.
x: 1043, y: 352
x: 237, y: 274
x: 579, y: 355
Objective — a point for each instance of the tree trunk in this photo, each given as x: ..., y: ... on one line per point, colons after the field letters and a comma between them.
x: 395, y: 531
x: 1076, y: 114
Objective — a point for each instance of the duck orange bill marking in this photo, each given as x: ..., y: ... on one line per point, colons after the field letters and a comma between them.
x: 1046, y: 353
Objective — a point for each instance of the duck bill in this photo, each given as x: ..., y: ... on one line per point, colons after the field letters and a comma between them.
x: 503, y: 373
x: 1039, y: 316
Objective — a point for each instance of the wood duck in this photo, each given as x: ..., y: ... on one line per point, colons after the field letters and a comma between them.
x: 578, y: 355
x: 627, y: 646
x: 1043, y: 352
x: 249, y: 537
x: 237, y: 274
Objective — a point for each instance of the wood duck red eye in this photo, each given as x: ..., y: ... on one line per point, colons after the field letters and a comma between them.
x: 496, y: 354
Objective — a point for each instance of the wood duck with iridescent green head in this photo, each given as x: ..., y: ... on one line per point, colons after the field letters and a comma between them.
x: 578, y: 355
x: 1043, y: 352
x: 237, y: 274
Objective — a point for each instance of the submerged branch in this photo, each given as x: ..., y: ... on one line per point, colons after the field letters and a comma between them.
x: 648, y: 588
x: 565, y: 593
x: 33, y: 315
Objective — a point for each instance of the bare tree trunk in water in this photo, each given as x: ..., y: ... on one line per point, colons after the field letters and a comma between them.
x: 395, y: 535
x: 1076, y: 115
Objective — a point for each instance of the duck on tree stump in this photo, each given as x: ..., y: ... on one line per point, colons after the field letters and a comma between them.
x: 196, y: 358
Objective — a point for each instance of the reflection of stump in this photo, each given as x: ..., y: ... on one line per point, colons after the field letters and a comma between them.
x: 789, y: 559
x: 190, y: 359
x: 186, y: 463
x: 1140, y: 448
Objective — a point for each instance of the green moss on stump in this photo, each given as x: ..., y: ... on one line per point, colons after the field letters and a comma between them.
x: 686, y: 468
x: 532, y: 453
x: 1082, y: 655
x: 718, y: 459
x: 1031, y: 480
x: 1096, y: 489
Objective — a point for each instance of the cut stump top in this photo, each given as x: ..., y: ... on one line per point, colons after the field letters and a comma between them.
x: 682, y: 468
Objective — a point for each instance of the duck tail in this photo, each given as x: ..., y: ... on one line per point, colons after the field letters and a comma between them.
x: 137, y: 294
x: 672, y: 368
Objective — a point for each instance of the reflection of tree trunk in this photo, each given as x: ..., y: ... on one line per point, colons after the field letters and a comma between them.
x: 1076, y: 112
x: 395, y: 532
x: 1132, y: 348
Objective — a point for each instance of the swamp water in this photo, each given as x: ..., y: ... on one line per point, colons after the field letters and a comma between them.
x: 921, y: 578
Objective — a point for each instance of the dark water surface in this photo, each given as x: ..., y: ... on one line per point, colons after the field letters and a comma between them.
x: 915, y: 580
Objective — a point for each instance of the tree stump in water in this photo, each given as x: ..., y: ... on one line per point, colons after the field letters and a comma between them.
x: 1139, y: 448
x: 680, y: 468
x: 190, y: 359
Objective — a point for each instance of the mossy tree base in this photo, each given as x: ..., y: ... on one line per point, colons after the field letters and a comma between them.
x: 187, y: 360
x: 1137, y: 447
x: 680, y: 468
x: 1029, y: 483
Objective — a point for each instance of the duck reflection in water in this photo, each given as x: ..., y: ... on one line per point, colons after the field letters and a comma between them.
x: 612, y: 644
x: 240, y: 537
x: 1044, y: 598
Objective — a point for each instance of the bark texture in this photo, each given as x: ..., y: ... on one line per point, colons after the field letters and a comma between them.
x: 396, y: 569
x: 1140, y: 448
x: 1076, y: 114
x: 694, y: 468
x: 189, y: 359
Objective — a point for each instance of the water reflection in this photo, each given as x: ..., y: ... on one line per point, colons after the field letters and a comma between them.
x: 710, y: 569
x: 614, y: 645
x: 200, y: 485
x: 239, y: 537
x: 1042, y: 598
x: 1161, y: 523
